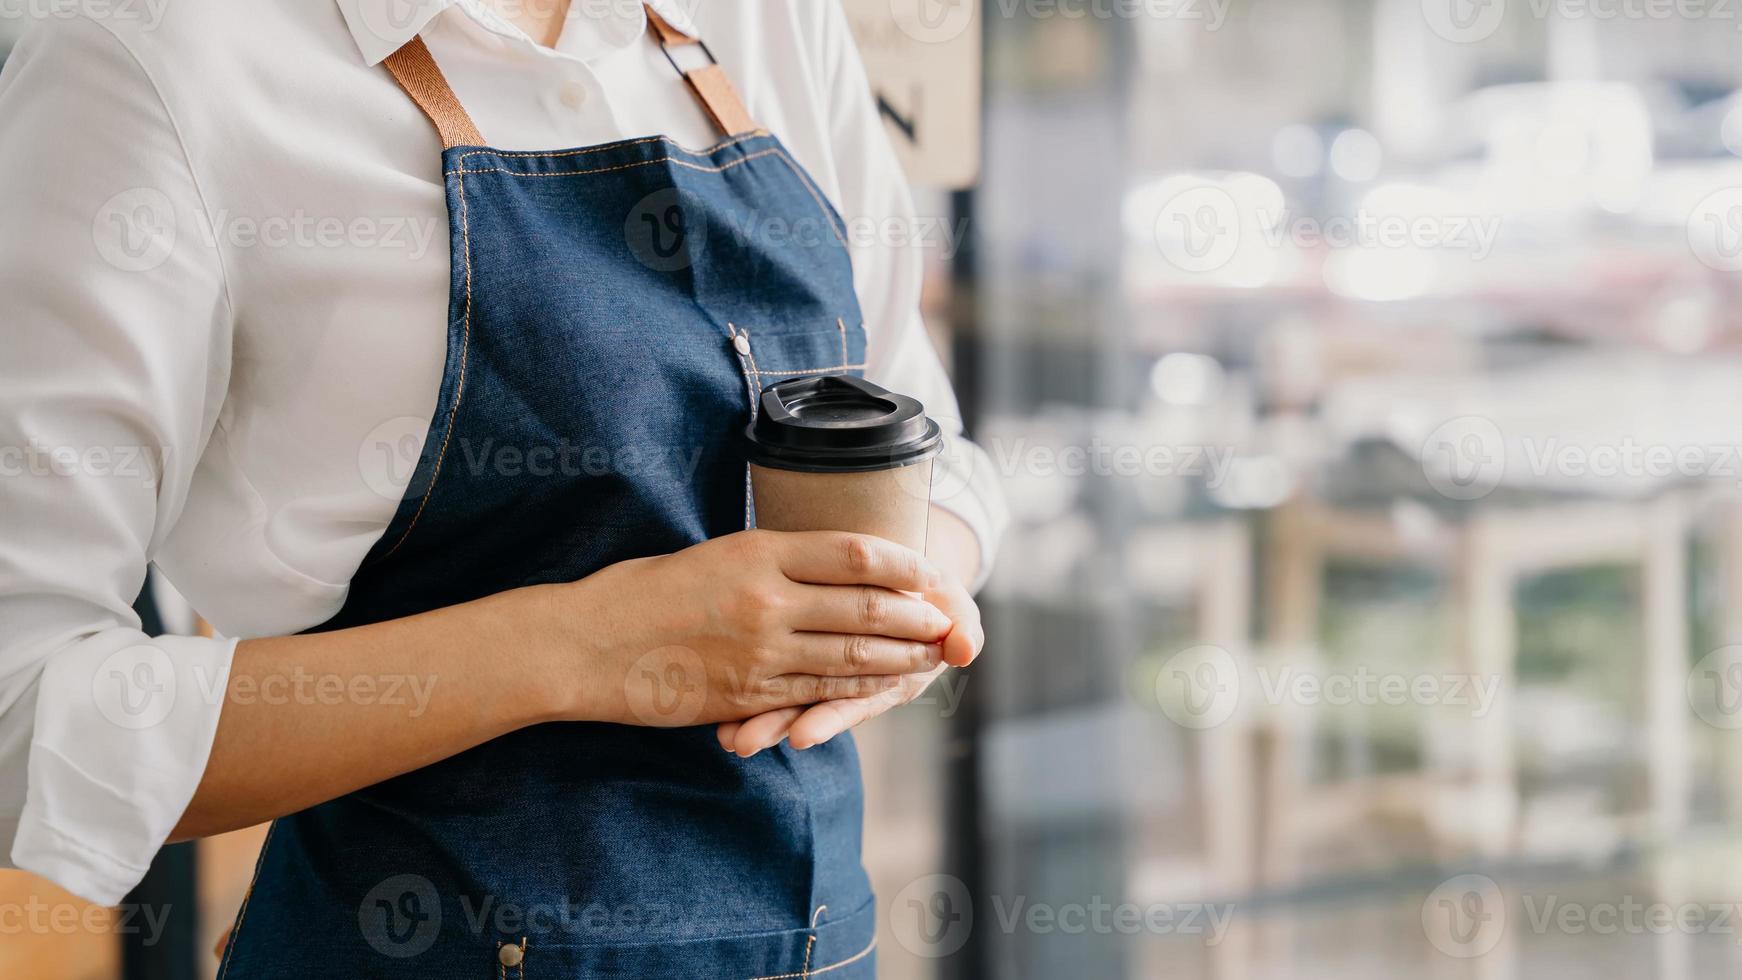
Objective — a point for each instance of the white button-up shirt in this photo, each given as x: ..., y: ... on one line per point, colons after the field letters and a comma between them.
x: 225, y: 269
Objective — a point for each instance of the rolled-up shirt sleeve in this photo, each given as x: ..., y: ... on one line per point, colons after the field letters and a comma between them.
x: 114, y: 357
x: 887, y: 239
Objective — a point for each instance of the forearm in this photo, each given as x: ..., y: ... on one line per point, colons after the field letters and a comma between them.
x: 306, y: 718
x: 311, y: 717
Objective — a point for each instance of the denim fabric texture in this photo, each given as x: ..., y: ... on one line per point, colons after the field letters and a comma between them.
x: 614, y: 310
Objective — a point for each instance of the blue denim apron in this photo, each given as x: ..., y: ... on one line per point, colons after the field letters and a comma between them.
x: 614, y: 310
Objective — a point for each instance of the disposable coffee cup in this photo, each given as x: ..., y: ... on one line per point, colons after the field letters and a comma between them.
x: 838, y: 453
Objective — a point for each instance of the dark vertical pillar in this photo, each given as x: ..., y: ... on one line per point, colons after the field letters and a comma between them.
x: 167, y: 899
x: 159, y: 929
x: 964, y: 840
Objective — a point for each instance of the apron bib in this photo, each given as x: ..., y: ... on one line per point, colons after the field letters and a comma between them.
x: 614, y: 311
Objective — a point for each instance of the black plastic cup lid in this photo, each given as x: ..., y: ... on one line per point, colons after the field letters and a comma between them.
x: 836, y: 423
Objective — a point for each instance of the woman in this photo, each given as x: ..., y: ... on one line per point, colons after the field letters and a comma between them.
x: 482, y: 512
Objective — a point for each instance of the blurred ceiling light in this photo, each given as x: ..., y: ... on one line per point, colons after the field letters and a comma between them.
x: 1297, y: 151
x: 1211, y: 228
x: 1381, y: 274
x: 1400, y: 199
x: 1254, y: 483
x: 1684, y: 324
x: 1186, y: 380
x: 1356, y: 156
x: 1560, y: 146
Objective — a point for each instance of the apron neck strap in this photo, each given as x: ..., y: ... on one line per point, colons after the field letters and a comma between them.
x: 417, y: 73
x: 709, y: 82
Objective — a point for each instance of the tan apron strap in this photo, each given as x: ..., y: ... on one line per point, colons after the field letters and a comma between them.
x: 668, y: 35
x: 422, y: 79
x: 417, y: 72
x: 709, y: 82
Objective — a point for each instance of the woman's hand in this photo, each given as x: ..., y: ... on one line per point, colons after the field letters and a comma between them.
x: 741, y: 625
x: 808, y: 725
x: 749, y: 623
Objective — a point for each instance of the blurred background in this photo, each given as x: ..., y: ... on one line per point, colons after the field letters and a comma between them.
x: 1365, y: 378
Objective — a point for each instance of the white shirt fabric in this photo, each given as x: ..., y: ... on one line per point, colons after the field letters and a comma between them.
x: 225, y: 268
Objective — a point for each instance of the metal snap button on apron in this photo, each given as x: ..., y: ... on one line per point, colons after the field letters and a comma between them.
x: 510, y: 956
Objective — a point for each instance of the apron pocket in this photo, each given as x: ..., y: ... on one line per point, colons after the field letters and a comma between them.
x: 771, y: 354
x: 839, y: 949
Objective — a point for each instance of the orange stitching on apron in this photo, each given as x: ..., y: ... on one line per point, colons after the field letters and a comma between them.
x: 750, y: 354
x: 750, y: 392
x: 621, y: 166
x: 242, y: 913
x: 856, y: 957
x: 459, y: 385
x: 776, y: 151
x: 674, y: 144
x: 804, y: 179
x: 824, y: 370
x: 843, y: 366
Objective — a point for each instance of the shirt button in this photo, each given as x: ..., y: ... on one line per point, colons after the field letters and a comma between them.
x: 741, y: 344
x: 510, y: 955
x: 573, y: 95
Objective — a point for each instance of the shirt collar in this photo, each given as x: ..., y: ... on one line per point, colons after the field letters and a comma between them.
x: 381, y: 27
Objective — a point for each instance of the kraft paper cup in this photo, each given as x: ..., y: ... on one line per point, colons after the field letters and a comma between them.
x: 838, y: 453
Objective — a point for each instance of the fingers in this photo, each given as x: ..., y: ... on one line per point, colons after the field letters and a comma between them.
x: 764, y: 731
x: 845, y: 654
x: 839, y: 558
x: 727, y: 733
x: 967, y: 634
x: 822, y: 722
x: 811, y: 725
x: 868, y: 611
x: 802, y: 689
